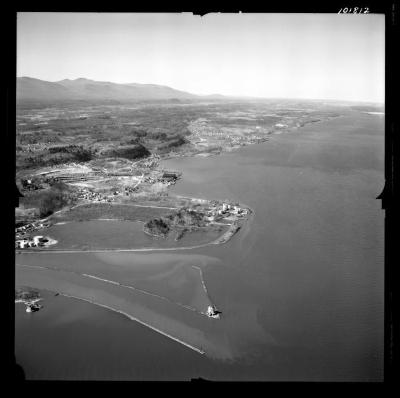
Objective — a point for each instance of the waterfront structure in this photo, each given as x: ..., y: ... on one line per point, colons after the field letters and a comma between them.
x: 212, y: 312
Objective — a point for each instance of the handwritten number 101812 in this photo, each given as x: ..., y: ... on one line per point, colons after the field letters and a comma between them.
x: 355, y: 10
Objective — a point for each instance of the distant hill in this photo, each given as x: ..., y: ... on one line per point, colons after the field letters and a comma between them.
x: 30, y: 90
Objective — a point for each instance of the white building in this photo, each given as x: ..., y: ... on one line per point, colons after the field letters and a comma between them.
x: 212, y: 312
x: 22, y: 243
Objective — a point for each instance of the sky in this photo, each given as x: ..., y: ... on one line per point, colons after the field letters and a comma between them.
x: 320, y: 56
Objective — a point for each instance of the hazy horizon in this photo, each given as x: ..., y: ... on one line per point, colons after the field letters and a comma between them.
x: 228, y: 96
x: 293, y: 56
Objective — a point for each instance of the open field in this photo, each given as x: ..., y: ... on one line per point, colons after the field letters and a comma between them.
x: 95, y: 211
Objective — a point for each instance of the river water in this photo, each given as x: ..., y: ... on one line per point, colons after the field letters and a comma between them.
x: 300, y: 287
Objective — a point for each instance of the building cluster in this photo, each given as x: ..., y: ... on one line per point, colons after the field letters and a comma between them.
x: 69, y: 178
x: 206, y: 136
x: 224, y: 210
x: 170, y: 177
x: 87, y: 194
x: 149, y: 179
x: 29, y: 228
x: 129, y: 190
x: 151, y: 161
x: 30, y: 184
x: 36, y: 241
x: 90, y: 195
x: 167, y: 177
x: 34, y: 147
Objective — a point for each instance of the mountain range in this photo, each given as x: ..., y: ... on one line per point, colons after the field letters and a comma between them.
x: 35, y: 90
